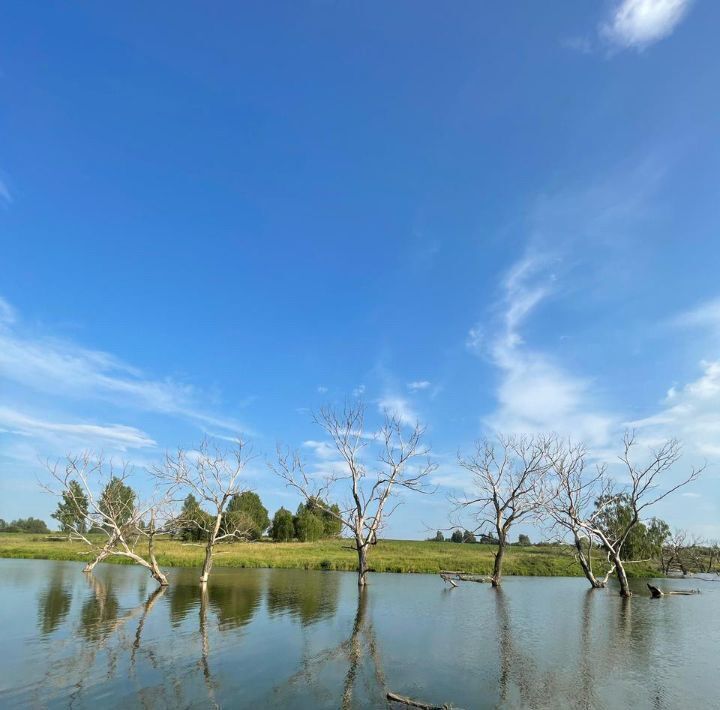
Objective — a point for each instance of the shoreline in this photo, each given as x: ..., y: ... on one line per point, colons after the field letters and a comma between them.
x: 395, y: 556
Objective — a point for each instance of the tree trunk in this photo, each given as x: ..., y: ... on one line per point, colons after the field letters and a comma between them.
x: 362, y: 564
x: 586, y: 565
x: 157, y: 573
x: 496, y: 578
x: 207, y: 564
x: 90, y: 566
x: 622, y: 577
x: 154, y: 566
x: 105, y: 552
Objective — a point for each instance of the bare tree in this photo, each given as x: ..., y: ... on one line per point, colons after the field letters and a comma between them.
x: 570, y: 499
x: 683, y: 550
x: 508, y: 477
x: 109, y: 507
x: 213, y: 475
x: 368, y: 489
x: 672, y: 552
x: 642, y: 492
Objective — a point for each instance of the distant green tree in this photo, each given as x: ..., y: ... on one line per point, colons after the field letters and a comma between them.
x: 72, y: 509
x: 457, y: 536
x: 488, y: 539
x: 329, y: 513
x: 3, y: 525
x: 658, y: 531
x: 439, y: 537
x: 27, y: 525
x: 309, y: 527
x: 192, y: 523
x: 117, y: 501
x: 283, y: 528
x: 643, y: 541
x: 524, y: 540
x: 246, y: 511
x: 467, y: 536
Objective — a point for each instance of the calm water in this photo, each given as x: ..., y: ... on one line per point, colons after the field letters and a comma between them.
x: 296, y: 639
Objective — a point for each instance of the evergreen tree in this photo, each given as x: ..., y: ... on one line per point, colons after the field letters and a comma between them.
x: 117, y: 501
x: 283, y: 528
x: 457, y: 536
x: 309, y: 527
x: 330, y: 515
x: 72, y: 510
x: 246, y: 511
x: 193, y: 521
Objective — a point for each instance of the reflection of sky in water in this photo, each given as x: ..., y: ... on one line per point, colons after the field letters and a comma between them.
x: 291, y: 638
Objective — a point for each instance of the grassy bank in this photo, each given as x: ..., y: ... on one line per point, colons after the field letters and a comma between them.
x: 386, y: 556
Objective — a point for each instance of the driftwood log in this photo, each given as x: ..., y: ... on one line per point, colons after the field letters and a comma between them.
x: 451, y: 576
x: 395, y: 698
x: 657, y: 593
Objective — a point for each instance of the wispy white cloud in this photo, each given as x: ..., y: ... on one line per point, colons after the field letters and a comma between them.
x: 61, y: 368
x: 115, y: 436
x: 536, y: 394
x: 398, y: 407
x: 359, y: 391
x: 321, y: 449
x: 706, y: 315
x: 691, y: 413
x: 475, y: 339
x: 640, y: 23
x: 322, y: 389
x: 418, y: 385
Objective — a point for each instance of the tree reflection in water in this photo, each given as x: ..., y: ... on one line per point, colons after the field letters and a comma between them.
x: 518, y: 671
x: 234, y: 598
x: 54, y: 603
x: 101, y: 628
x: 587, y: 666
x: 307, y: 597
x: 359, y: 656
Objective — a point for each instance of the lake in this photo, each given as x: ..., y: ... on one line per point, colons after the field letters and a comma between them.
x: 307, y: 639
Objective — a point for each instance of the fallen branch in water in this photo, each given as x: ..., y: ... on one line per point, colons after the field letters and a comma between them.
x: 450, y: 580
x: 395, y: 698
x: 657, y: 593
x: 451, y: 575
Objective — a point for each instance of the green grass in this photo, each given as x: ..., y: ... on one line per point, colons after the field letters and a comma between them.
x: 387, y: 556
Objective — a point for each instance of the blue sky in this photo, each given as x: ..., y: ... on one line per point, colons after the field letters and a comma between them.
x: 215, y: 219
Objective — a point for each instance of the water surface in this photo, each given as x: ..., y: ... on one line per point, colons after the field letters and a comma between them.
x: 307, y: 639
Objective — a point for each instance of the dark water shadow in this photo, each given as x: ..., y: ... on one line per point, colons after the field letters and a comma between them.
x: 54, y: 602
